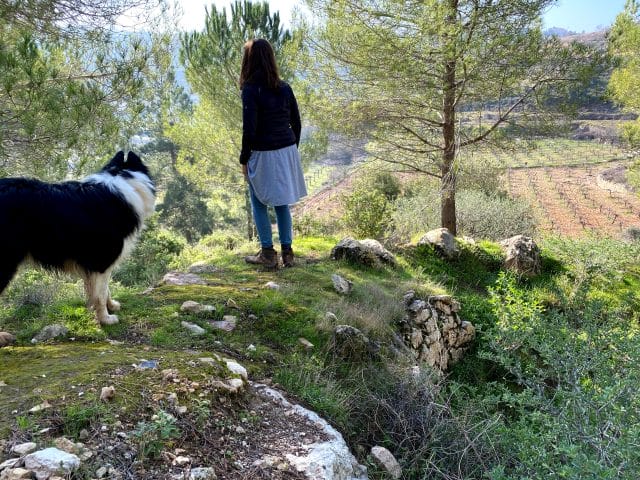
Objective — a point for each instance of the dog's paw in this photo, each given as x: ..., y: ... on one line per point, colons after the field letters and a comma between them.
x: 113, y: 305
x: 108, y: 320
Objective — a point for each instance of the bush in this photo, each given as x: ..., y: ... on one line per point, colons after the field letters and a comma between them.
x: 571, y: 407
x: 367, y: 213
x: 479, y: 215
x: 150, y: 259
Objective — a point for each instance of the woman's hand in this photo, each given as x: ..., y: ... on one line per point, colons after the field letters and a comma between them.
x: 245, y: 172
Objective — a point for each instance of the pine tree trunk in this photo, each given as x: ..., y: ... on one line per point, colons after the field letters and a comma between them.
x: 448, y: 182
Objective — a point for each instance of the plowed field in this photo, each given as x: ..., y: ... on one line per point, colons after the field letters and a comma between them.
x: 574, y: 201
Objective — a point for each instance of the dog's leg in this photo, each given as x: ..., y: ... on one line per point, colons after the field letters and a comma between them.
x: 112, y: 305
x: 97, y: 289
x: 7, y: 271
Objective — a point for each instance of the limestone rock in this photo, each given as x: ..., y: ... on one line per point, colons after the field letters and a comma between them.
x: 51, y: 461
x: 305, y: 343
x: 193, y: 328
x: 181, y: 279
x: 235, y: 367
x: 50, y: 332
x: 194, y: 307
x: 329, y: 459
x: 523, y: 255
x: 443, y: 242
x: 342, y: 285
x: 386, y: 461
x: 202, y: 473
x: 272, y: 286
x: 16, y: 474
x: 202, y: 268
x: 6, y: 339
x: 24, y: 448
x: 365, y: 252
x: 107, y: 393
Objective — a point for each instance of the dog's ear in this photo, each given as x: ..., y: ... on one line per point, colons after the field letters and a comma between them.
x: 118, y: 160
x: 133, y: 159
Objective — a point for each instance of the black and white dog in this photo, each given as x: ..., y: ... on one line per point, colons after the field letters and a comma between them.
x: 83, y: 227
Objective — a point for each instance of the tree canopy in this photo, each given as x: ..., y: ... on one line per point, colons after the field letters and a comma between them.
x: 424, y: 81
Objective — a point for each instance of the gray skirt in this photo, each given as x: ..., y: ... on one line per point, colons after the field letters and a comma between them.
x: 276, y: 176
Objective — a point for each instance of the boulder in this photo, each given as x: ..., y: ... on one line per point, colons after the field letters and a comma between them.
x: 342, y: 285
x: 365, y: 252
x: 385, y: 460
x: 442, y: 241
x: 523, y: 255
x: 51, y: 461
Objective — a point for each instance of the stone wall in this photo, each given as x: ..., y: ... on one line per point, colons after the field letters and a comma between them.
x: 433, y: 330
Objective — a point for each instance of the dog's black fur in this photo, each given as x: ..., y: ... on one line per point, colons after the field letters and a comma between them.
x: 76, y: 226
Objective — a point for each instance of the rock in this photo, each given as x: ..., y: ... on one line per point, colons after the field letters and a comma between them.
x: 194, y: 307
x: 11, y: 463
x: 433, y: 331
x: 50, y: 332
x: 84, y: 434
x: 211, y: 361
x: 386, y: 461
x: 202, y: 268
x: 305, y: 343
x: 102, y: 472
x: 24, y: 448
x: 523, y: 255
x: 107, y: 393
x: 16, y: 474
x: 350, y: 344
x: 182, y: 279
x: 272, y: 285
x: 442, y: 241
x: 51, y: 461
x: 181, y: 461
x: 341, y: 285
x: 364, y: 252
x: 235, y: 367
x: 38, y: 408
x: 328, y: 459
x: 233, y: 385
x: 148, y: 365
x: 193, y: 328
x: 202, y: 473
x: 6, y: 339
x: 224, y: 325
x: 331, y: 317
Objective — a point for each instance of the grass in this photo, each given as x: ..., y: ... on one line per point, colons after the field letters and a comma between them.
x: 273, y: 320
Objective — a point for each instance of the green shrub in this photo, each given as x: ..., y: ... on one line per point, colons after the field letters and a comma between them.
x: 479, y: 215
x: 570, y: 407
x: 150, y: 259
x: 367, y: 213
x: 152, y: 437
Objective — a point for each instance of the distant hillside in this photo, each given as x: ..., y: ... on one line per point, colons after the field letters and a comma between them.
x: 558, y: 32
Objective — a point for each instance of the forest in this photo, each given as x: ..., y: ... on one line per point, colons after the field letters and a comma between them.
x: 417, y: 115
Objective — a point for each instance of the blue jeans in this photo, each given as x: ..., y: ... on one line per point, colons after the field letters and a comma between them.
x: 263, y: 224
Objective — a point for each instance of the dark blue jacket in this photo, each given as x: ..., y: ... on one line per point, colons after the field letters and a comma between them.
x: 270, y: 118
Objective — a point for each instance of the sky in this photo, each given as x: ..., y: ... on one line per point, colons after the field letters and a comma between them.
x: 574, y: 15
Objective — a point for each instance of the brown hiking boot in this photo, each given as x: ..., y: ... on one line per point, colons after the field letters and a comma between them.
x: 266, y: 257
x: 287, y: 257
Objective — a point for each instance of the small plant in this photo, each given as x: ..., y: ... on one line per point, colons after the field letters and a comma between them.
x: 78, y: 417
x: 153, y: 436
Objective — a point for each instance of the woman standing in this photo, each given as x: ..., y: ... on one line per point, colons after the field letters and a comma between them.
x: 269, y: 157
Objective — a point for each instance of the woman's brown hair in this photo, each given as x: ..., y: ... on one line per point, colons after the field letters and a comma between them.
x: 259, y: 64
